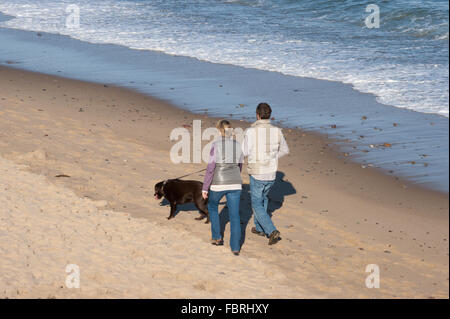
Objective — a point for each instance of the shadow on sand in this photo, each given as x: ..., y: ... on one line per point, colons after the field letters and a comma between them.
x: 279, y: 190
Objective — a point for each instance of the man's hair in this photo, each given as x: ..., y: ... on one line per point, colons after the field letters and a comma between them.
x: 264, y: 111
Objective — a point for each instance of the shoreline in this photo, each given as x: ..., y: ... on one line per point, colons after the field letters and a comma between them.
x: 361, y: 126
x: 336, y: 217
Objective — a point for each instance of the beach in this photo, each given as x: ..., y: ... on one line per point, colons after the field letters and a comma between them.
x: 79, y: 161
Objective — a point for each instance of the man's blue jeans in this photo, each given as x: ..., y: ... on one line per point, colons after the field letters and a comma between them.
x: 260, y: 201
x: 233, y: 199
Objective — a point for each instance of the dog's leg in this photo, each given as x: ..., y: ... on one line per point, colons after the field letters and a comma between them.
x: 205, y: 214
x: 173, y: 209
x: 203, y: 210
x: 202, y: 216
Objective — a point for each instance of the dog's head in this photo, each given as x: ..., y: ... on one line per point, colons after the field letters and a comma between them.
x: 159, y: 190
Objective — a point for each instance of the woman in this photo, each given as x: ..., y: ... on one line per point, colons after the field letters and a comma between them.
x: 223, y: 178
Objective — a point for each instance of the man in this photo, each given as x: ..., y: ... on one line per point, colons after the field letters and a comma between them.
x: 263, y: 144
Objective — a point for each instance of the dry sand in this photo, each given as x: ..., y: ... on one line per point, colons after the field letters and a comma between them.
x: 46, y: 227
x: 335, y: 217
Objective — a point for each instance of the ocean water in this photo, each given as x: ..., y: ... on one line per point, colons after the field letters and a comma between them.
x: 404, y: 62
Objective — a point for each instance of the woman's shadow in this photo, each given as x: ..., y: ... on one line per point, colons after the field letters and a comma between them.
x: 279, y: 190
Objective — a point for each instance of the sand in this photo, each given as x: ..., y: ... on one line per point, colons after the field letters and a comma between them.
x: 46, y: 227
x: 112, y: 145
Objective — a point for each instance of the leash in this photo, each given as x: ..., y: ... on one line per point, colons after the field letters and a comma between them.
x: 191, y: 173
x: 186, y: 175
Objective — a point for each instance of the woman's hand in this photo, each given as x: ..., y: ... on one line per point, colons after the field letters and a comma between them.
x: 205, y: 194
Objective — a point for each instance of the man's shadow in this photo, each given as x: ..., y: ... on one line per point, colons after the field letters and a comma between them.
x: 279, y: 190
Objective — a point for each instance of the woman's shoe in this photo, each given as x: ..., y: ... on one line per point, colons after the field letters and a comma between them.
x: 236, y: 253
x: 217, y: 242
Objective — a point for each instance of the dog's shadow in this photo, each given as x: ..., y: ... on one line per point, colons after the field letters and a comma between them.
x: 279, y: 190
x: 188, y: 207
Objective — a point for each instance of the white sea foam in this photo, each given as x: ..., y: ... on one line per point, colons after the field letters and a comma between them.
x: 403, y: 82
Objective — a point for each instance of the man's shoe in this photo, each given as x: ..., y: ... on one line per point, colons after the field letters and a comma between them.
x: 274, y: 237
x: 254, y: 231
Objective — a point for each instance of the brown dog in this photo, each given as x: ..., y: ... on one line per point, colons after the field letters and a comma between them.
x: 177, y: 191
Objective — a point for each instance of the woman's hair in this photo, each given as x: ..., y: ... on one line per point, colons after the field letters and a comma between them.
x: 224, y: 128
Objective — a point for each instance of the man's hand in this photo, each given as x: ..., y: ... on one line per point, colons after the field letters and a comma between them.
x: 205, y: 194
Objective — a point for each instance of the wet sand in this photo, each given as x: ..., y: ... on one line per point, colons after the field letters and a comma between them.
x: 335, y: 216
